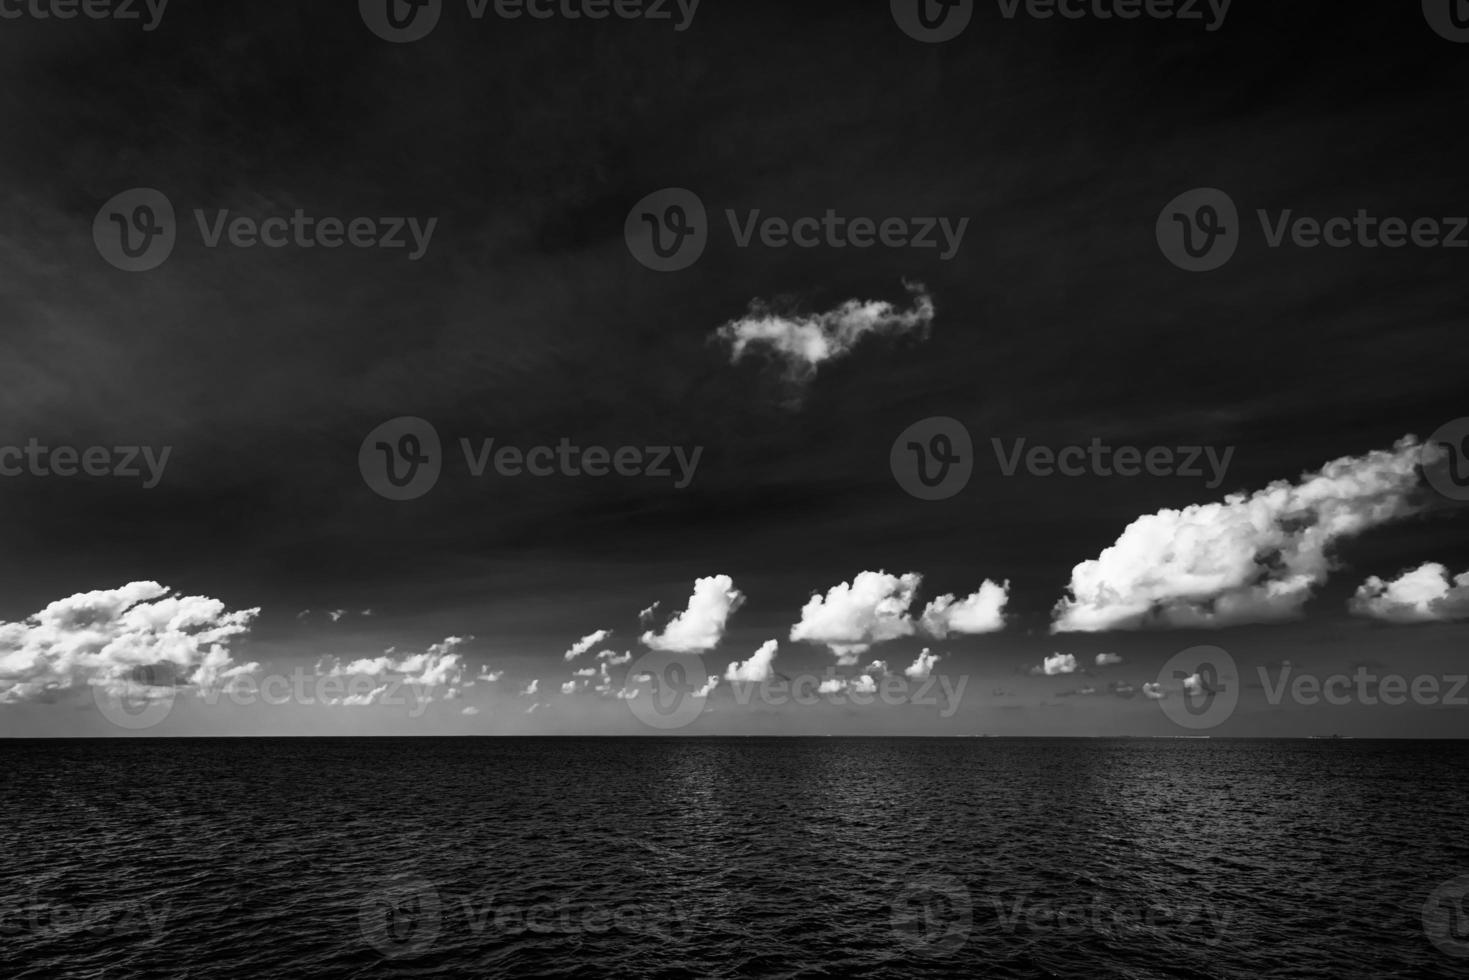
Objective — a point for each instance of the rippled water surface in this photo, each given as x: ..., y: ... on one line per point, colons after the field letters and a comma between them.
x: 666, y: 857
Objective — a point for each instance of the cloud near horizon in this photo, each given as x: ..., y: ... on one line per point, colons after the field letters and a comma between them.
x: 1252, y: 558
x: 700, y: 627
x: 873, y: 608
x: 111, y: 638
x: 1426, y: 594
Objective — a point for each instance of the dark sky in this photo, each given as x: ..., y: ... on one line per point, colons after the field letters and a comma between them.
x: 528, y: 320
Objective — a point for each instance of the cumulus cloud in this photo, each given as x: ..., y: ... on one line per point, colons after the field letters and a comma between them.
x: 585, y: 643
x: 920, y: 669
x: 471, y: 710
x: 569, y: 687
x: 486, y: 674
x: 438, y: 666
x: 878, y: 667
x: 862, y: 684
x: 112, y: 638
x: 760, y: 666
x: 531, y: 688
x: 700, y: 627
x: 1154, y: 691
x: 1248, y: 559
x: 804, y: 342
x: 850, y: 618
x: 1057, y: 663
x: 614, y: 658
x: 832, y: 685
x: 1108, y: 659
x: 982, y: 612
x: 1426, y: 594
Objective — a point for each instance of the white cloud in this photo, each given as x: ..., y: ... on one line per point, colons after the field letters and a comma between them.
x: 862, y: 684
x: 804, y: 342
x: 1108, y: 659
x: 1058, y: 663
x: 760, y: 666
x: 982, y: 612
x: 531, y: 688
x: 112, y: 638
x: 920, y: 669
x: 1425, y: 594
x: 585, y: 643
x: 832, y: 685
x: 614, y: 658
x: 471, y: 710
x: 851, y: 618
x: 569, y: 687
x: 878, y: 667
x: 1154, y: 691
x: 645, y: 616
x: 486, y: 674
x: 700, y: 627
x: 1193, y: 684
x: 439, y: 666
x: 1250, y: 558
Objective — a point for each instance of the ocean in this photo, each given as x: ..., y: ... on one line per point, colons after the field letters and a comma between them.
x: 724, y: 857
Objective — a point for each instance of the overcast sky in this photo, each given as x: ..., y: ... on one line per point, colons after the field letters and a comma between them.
x: 523, y: 150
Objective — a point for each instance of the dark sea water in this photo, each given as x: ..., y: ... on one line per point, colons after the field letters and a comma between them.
x: 665, y: 857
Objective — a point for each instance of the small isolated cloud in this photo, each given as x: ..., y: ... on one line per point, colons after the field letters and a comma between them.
x: 920, y: 669
x: 336, y: 614
x: 531, y: 688
x: 1056, y: 664
x: 982, y: 612
x: 1247, y: 559
x: 1193, y: 684
x: 1154, y: 691
x: 491, y: 676
x: 1123, y: 689
x: 804, y: 342
x: 109, y: 638
x: 471, y: 710
x: 1426, y: 594
x: 585, y: 643
x: 585, y: 672
x: 1108, y: 660
x: 569, y: 687
x: 851, y: 618
x: 614, y: 658
x: 760, y: 666
x: 646, y: 616
x: 832, y: 685
x: 700, y: 627
x: 862, y: 684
